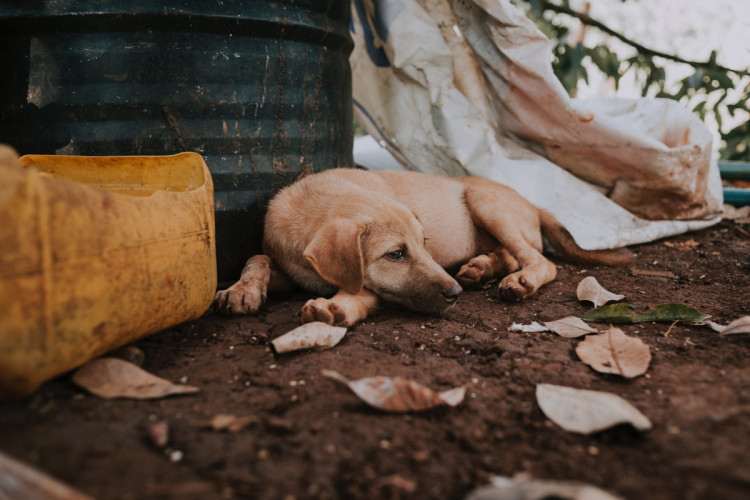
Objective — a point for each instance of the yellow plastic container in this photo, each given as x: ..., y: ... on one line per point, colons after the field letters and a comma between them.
x: 96, y: 252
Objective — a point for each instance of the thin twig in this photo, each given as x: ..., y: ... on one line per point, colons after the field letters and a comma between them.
x: 669, y: 330
x: 741, y: 232
x: 642, y: 49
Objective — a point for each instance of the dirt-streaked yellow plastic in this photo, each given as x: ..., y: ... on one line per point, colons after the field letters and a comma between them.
x: 96, y: 252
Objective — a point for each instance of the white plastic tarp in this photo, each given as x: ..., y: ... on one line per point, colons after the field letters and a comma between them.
x: 465, y: 87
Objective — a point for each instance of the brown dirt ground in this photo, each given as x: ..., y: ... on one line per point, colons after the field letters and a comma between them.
x: 311, y: 438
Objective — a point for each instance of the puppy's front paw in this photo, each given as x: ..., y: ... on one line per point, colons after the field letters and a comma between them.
x: 323, y: 310
x: 239, y: 299
x: 475, y: 272
x: 516, y: 287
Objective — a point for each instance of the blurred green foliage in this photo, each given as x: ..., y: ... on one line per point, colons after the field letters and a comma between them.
x: 706, y: 91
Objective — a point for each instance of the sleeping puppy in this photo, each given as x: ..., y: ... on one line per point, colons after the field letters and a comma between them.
x: 358, y: 236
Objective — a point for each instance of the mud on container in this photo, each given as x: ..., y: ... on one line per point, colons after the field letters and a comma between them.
x: 261, y: 89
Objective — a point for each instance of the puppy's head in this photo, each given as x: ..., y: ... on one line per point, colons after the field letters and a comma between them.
x: 386, y: 254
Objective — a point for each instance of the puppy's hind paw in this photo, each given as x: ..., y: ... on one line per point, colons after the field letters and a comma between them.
x: 238, y: 299
x: 323, y: 310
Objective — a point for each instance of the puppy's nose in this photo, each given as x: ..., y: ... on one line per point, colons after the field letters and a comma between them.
x: 452, y: 293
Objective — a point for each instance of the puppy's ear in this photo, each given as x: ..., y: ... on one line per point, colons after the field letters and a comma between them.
x: 336, y: 254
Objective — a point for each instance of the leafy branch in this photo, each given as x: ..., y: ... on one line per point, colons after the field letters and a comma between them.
x: 712, y: 88
x: 711, y: 64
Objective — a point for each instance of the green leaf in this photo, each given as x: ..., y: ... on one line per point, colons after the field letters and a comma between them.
x: 620, y: 313
x: 615, y: 313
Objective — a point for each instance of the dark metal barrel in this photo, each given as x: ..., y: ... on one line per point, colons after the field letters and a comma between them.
x: 261, y: 89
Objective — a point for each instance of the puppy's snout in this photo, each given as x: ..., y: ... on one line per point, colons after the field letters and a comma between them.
x: 452, y: 293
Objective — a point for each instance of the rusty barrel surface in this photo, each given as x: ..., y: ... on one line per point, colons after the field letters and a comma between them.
x: 261, y: 89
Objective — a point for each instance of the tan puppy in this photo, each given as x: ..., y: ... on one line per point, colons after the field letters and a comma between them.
x: 358, y: 236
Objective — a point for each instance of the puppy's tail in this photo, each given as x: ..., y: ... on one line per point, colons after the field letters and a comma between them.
x: 562, y: 241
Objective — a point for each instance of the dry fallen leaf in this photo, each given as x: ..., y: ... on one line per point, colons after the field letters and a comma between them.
x: 586, y: 412
x: 114, y: 378
x: 740, y: 325
x: 18, y: 480
x: 309, y: 336
x: 715, y: 326
x: 398, y: 394
x: 504, y: 488
x: 590, y: 289
x: 615, y: 352
x: 570, y: 327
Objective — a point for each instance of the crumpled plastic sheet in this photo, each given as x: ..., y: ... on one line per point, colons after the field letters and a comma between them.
x: 466, y: 88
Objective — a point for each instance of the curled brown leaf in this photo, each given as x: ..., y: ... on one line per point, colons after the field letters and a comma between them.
x: 586, y: 412
x: 589, y: 289
x: 114, y: 378
x: 398, y: 394
x: 570, y: 327
x: 614, y: 352
x: 308, y: 336
x: 738, y: 326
